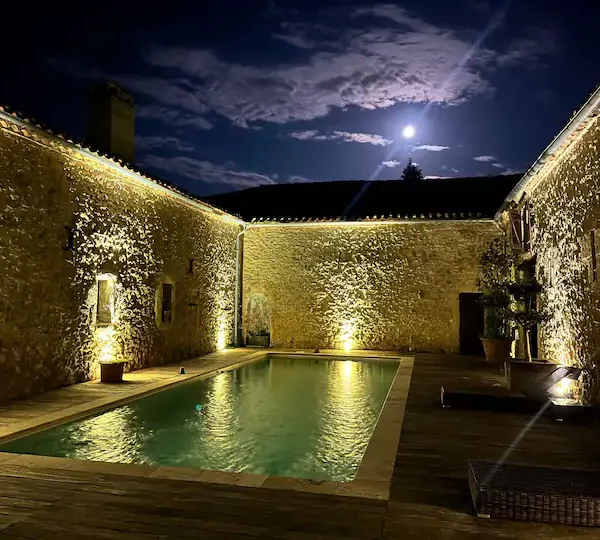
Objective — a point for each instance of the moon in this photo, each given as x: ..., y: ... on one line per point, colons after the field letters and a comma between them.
x: 408, y: 132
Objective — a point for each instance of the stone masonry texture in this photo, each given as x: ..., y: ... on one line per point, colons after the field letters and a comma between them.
x: 376, y: 286
x: 67, y: 218
x: 565, y: 199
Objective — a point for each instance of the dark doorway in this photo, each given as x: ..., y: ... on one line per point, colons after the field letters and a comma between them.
x: 471, y: 323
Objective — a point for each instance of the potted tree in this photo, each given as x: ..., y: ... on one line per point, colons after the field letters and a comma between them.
x: 496, y: 270
x: 524, y: 312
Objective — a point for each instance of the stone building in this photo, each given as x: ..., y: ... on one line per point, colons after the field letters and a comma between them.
x: 553, y: 216
x: 101, y: 262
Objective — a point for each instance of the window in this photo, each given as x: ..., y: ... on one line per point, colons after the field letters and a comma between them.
x: 190, y: 266
x: 166, y: 313
x: 516, y: 228
x: 105, y: 301
x: 521, y: 224
x: 526, y: 220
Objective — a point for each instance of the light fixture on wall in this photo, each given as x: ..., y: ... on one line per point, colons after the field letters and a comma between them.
x: 347, y: 336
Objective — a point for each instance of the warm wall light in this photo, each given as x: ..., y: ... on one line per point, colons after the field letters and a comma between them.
x: 563, y: 387
x: 221, y: 341
x: 222, y: 332
x: 347, y: 336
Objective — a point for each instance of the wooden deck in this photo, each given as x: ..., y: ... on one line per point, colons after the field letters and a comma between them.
x: 429, y: 499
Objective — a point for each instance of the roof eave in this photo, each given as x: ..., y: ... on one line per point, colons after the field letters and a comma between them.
x: 590, y: 106
x: 120, y: 167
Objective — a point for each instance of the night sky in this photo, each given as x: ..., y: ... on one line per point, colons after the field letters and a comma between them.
x: 235, y: 94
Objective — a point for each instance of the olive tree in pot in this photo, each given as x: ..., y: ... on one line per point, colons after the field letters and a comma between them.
x: 496, y: 276
x: 523, y: 309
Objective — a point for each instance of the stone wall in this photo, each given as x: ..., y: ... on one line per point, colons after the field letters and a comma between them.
x: 566, y: 206
x: 375, y: 286
x: 66, y: 218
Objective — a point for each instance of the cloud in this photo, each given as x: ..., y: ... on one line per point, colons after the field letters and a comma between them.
x: 391, y: 164
x: 433, y: 177
x: 532, y: 49
x: 393, y: 58
x: 485, y: 159
x: 166, y: 91
x: 431, y: 148
x: 305, y: 135
x: 498, y: 165
x: 297, y: 179
x: 173, y: 117
x: 150, y: 143
x: 512, y: 171
x: 296, y: 41
x: 208, y: 172
x: 364, y: 138
x: 346, y: 136
x: 306, y: 36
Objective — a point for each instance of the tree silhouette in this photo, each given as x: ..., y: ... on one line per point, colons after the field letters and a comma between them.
x: 412, y: 172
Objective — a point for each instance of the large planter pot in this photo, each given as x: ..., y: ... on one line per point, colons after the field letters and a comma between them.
x: 112, y: 373
x: 496, y: 349
x: 522, y: 375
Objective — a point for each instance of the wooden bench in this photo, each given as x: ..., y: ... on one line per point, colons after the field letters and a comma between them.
x: 534, y: 493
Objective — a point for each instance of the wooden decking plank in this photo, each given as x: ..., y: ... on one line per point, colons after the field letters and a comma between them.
x: 429, y: 493
x: 52, y: 531
x: 175, y: 527
x: 264, y: 516
x: 198, y: 493
x: 182, y: 491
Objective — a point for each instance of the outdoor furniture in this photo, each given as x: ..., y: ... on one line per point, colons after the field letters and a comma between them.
x: 534, y: 379
x: 533, y: 493
x: 496, y: 398
x: 530, y: 389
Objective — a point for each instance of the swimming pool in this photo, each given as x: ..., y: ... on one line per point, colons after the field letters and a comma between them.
x: 303, y: 417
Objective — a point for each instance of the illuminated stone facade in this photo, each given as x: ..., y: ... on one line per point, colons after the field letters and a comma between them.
x: 564, y: 197
x: 99, y: 263
x: 69, y: 221
x: 373, y: 286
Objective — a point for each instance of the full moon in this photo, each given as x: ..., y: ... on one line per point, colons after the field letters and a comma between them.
x: 408, y: 132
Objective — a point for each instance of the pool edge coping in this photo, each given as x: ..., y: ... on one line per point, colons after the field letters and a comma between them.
x: 372, y: 480
x: 90, y: 408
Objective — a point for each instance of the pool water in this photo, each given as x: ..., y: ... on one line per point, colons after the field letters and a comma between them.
x: 284, y: 416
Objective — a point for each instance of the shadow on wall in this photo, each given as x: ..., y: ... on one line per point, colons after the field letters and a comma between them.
x: 258, y: 326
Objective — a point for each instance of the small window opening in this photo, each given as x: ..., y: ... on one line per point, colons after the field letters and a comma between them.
x: 70, y: 239
x: 105, y: 302
x: 166, y: 314
x: 190, y: 266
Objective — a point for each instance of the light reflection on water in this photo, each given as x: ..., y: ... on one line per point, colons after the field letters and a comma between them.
x: 287, y: 417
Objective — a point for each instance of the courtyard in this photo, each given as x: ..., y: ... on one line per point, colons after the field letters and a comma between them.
x: 428, y: 493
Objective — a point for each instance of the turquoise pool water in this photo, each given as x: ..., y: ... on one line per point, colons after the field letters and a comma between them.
x: 298, y: 417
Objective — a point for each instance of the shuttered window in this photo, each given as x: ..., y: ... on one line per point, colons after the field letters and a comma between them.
x: 166, y: 312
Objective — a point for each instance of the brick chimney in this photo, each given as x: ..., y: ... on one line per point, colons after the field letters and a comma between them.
x: 111, y: 121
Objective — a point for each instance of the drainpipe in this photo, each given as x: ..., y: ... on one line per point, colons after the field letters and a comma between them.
x: 238, y: 279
